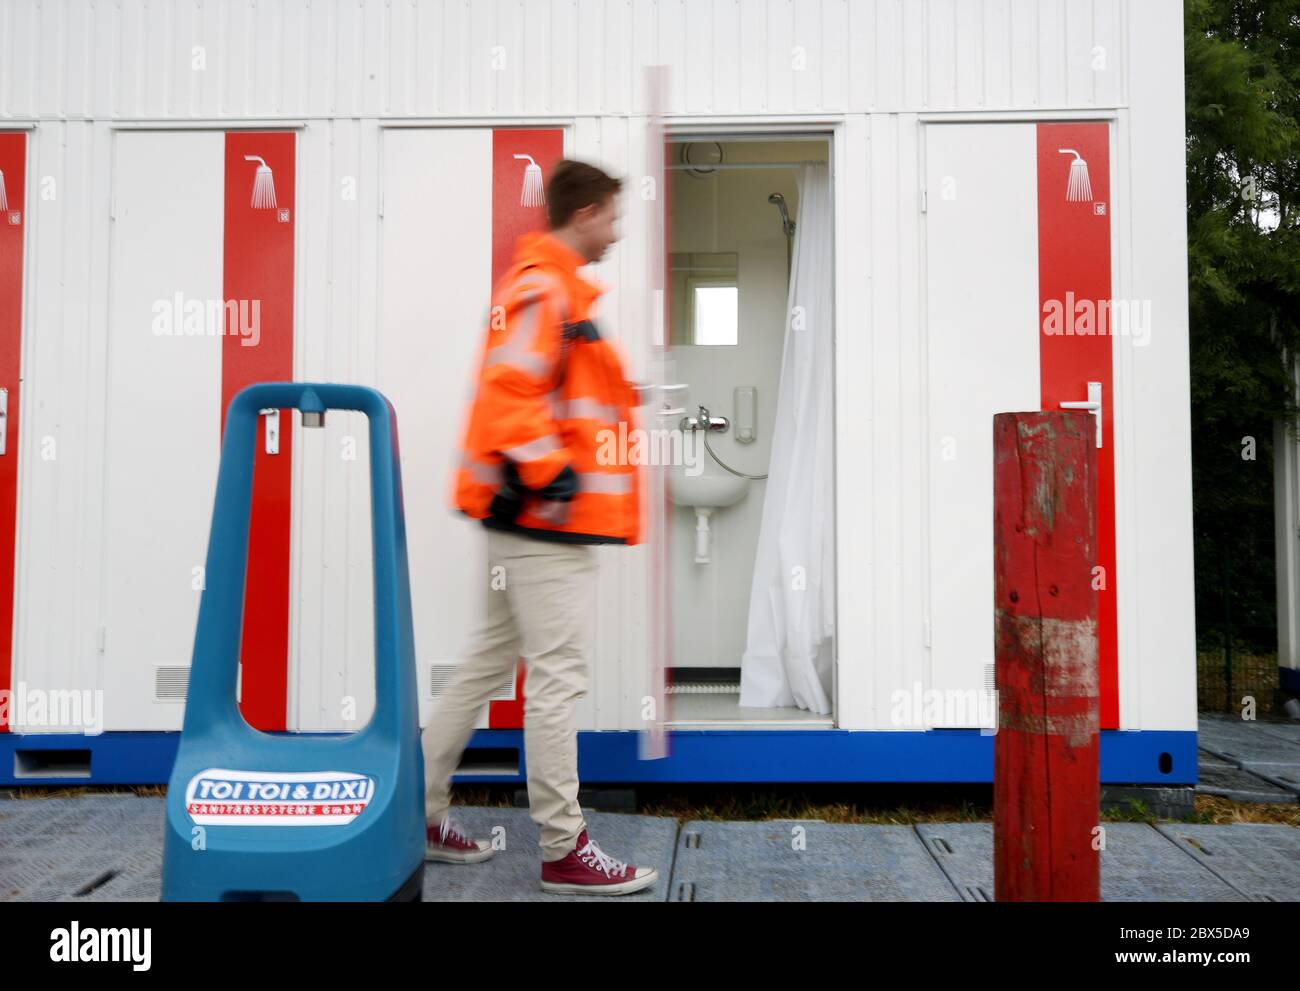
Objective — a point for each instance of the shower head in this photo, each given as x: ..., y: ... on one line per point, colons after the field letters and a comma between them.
x: 786, y: 224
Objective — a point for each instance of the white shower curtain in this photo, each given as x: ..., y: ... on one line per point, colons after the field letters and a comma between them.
x: 789, y: 655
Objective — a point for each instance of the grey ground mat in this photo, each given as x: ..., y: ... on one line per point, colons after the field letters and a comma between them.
x: 1250, y: 744
x: 1262, y: 861
x: 1218, y: 776
x: 1287, y: 778
x: 514, y: 873
x: 1138, y: 864
x: 83, y: 848
x: 109, y: 848
x: 793, y: 860
x: 1286, y: 729
x: 964, y: 852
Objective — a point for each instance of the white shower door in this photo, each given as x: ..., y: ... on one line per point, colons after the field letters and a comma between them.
x: 982, y: 358
x: 1013, y: 234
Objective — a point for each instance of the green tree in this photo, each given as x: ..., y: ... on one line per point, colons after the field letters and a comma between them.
x: 1243, y: 228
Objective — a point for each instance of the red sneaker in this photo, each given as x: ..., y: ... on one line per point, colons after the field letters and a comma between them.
x: 587, y: 870
x: 447, y: 843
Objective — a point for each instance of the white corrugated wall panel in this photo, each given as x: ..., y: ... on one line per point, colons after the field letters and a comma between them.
x: 940, y: 52
x: 1111, y: 83
x: 995, y: 74
x: 617, y: 688
x: 201, y: 59
x: 971, y: 61
x: 1160, y: 675
x: 1050, y: 53
x: 332, y: 619
x: 862, y: 483
x: 882, y: 420
x: 1023, y: 55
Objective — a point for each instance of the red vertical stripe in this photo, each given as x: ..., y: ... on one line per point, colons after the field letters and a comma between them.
x: 510, y: 218
x: 258, y: 259
x: 13, y: 164
x: 1073, y: 279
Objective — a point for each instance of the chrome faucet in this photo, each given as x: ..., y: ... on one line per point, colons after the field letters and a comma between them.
x: 718, y: 424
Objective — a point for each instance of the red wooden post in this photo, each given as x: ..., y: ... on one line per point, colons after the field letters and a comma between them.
x: 1046, y: 785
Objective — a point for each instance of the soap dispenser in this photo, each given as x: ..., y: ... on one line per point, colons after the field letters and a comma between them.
x: 746, y: 398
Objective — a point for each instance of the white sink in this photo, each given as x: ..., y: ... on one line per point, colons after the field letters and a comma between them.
x: 706, y: 492
x: 712, y: 489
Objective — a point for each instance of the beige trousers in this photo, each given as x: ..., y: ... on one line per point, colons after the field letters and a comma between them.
x: 538, y: 597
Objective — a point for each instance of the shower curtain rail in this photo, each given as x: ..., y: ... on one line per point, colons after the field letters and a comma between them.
x: 745, y: 165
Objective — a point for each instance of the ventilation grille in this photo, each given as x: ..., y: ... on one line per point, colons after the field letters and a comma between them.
x: 704, y: 688
x: 440, y: 676
x: 170, y: 682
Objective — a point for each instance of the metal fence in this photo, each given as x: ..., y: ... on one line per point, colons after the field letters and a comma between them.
x: 1236, y: 617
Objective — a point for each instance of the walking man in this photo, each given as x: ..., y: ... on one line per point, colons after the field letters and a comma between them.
x: 534, y: 472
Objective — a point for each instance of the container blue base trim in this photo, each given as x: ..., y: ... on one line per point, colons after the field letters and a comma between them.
x: 752, y: 756
x: 1288, y: 679
x: 1127, y: 757
x: 71, y: 759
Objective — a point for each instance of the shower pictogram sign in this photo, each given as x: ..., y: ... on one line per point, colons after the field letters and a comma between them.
x: 533, y: 192
x: 14, y: 217
x: 1078, y: 188
x: 263, y: 194
x: 1078, y: 185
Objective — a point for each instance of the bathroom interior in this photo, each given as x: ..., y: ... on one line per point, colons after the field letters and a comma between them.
x: 752, y: 538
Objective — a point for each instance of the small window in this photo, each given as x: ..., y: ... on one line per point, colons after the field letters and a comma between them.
x: 716, y: 314
x: 705, y: 298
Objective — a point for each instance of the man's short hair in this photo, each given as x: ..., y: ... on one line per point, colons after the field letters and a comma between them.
x: 574, y: 185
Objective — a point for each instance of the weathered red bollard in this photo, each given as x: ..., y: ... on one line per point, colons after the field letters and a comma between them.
x: 1046, y: 783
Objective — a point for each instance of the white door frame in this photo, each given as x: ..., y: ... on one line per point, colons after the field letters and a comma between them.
x: 831, y: 129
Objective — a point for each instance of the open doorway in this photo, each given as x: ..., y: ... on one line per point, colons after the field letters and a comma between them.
x: 750, y: 334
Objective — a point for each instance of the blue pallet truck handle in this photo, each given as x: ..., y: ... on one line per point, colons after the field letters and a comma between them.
x: 243, y: 817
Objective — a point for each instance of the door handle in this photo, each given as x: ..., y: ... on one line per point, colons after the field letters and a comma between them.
x: 272, y: 418
x: 4, y: 421
x: 1092, y: 404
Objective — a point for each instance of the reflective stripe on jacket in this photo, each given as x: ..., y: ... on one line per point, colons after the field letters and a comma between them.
x: 541, y: 451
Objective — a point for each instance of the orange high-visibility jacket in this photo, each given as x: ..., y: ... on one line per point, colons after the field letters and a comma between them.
x: 543, y: 453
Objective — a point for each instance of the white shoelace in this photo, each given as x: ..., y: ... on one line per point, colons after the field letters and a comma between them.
x: 449, y: 828
x: 600, y: 860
